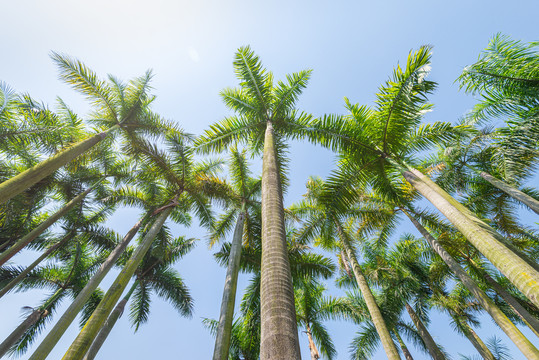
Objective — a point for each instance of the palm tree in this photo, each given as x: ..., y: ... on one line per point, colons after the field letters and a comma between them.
x: 378, y: 145
x: 154, y: 273
x: 117, y: 106
x: 265, y: 118
x: 182, y: 182
x: 239, y: 198
x: 329, y: 224
x: 311, y: 309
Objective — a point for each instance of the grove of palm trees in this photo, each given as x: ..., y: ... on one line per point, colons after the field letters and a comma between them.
x: 187, y: 181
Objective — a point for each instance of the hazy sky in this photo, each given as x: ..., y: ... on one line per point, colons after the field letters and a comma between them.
x: 352, y: 47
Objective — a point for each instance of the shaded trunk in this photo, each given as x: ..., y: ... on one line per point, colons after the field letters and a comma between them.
x: 29, y: 177
x: 32, y: 235
x: 433, y: 348
x: 80, y: 346
x: 374, y: 311
x: 279, y: 332
x: 476, y: 341
x: 527, y: 348
x: 404, y: 348
x: 521, y: 312
x: 315, y: 354
x: 52, y: 338
x: 480, y: 235
x: 224, y: 329
x: 109, y: 324
x: 31, y: 267
x: 19, y: 332
x: 512, y: 191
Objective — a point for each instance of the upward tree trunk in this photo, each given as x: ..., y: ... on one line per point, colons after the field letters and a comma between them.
x: 31, y: 267
x: 512, y: 191
x: 32, y: 235
x: 29, y: 177
x: 52, y: 338
x: 80, y: 346
x: 279, y: 333
x: 476, y: 341
x: 374, y: 311
x: 404, y: 348
x: 527, y: 348
x: 224, y: 329
x: 109, y: 324
x: 315, y: 354
x: 518, y: 271
x: 433, y: 348
x: 30, y: 321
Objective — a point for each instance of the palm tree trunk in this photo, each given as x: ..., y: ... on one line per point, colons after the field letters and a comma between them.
x: 31, y: 267
x: 433, y: 348
x: 517, y: 270
x: 522, y: 313
x: 374, y: 311
x: 109, y: 324
x: 404, y: 348
x: 279, y: 332
x: 52, y: 338
x: 30, y: 321
x: 315, y: 354
x: 32, y: 235
x: 29, y: 177
x: 527, y: 348
x: 80, y: 346
x: 20, y: 331
x: 512, y: 191
x: 476, y: 341
x: 224, y: 329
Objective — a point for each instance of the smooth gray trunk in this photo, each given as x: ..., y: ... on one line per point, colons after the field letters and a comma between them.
x: 512, y: 191
x: 432, y: 347
x: 20, y: 331
x: 224, y: 329
x: 479, y: 345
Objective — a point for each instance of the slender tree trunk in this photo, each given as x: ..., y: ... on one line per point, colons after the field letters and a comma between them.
x: 527, y: 348
x: 404, y: 348
x: 521, y: 312
x: 512, y: 191
x: 374, y: 311
x: 80, y: 346
x: 279, y: 332
x: 29, y: 177
x: 32, y: 235
x: 30, y: 321
x: 224, y: 329
x: 31, y: 267
x: 21, y: 330
x: 433, y: 348
x: 52, y: 338
x: 517, y: 270
x: 476, y: 341
x: 109, y: 324
x: 315, y: 354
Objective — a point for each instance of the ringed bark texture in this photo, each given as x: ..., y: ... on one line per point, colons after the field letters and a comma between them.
x: 279, y: 333
x: 480, y: 235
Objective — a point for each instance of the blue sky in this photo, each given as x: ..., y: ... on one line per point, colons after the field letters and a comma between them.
x: 352, y: 47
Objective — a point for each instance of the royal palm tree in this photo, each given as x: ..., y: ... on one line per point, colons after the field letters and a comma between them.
x: 265, y: 118
x: 377, y: 146
x: 153, y: 274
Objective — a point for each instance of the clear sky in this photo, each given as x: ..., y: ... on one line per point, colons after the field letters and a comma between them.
x: 352, y: 47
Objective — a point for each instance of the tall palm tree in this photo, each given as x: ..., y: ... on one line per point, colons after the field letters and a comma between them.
x: 328, y: 223
x: 153, y: 274
x: 265, y: 117
x: 117, y: 106
x: 378, y: 145
x: 242, y: 195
